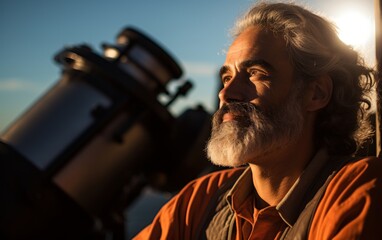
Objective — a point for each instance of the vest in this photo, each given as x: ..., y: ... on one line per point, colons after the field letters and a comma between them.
x: 219, y: 221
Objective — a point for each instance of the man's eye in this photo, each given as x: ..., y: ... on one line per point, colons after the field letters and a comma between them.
x: 226, y: 79
x: 253, y: 72
x: 257, y: 73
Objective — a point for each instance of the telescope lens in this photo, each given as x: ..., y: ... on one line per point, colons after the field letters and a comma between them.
x: 144, y: 59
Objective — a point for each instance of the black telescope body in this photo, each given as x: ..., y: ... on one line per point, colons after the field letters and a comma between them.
x: 88, y: 146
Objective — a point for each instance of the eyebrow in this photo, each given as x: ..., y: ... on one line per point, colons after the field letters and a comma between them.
x: 246, y: 64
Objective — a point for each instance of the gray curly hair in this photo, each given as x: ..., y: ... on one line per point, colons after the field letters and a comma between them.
x: 315, y: 49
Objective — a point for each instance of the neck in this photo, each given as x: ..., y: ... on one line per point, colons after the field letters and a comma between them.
x: 276, y: 173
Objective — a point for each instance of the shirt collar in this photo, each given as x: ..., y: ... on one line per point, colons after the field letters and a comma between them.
x: 290, y: 205
x: 240, y: 190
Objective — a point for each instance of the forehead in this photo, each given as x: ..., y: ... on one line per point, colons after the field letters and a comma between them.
x: 257, y: 43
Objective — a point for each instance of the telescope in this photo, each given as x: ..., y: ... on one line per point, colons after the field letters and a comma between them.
x: 83, y: 152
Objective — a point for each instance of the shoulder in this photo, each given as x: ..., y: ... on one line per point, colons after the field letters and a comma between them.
x: 368, y: 164
x: 358, y: 173
x: 356, y: 178
x: 213, y: 181
x: 196, y: 196
x: 181, y: 217
x: 372, y: 165
x: 350, y: 207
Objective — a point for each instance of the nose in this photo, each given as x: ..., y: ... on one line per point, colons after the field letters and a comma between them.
x: 234, y: 91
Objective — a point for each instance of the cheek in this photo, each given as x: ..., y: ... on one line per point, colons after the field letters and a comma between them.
x: 282, y: 94
x: 262, y: 95
x: 269, y: 99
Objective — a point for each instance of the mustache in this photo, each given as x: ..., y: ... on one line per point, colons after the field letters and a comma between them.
x: 241, y: 110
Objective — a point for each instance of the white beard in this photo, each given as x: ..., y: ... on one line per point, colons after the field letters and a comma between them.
x: 254, y: 133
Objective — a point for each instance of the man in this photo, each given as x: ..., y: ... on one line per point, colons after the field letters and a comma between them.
x: 293, y: 110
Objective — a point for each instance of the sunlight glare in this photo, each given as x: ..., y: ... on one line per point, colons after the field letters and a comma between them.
x: 354, y: 28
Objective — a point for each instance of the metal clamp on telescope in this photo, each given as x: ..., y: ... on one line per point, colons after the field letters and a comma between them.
x: 67, y: 162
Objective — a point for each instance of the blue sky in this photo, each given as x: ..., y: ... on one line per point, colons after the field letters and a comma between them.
x: 194, y: 32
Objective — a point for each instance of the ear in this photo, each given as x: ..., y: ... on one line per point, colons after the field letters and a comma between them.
x: 319, y: 93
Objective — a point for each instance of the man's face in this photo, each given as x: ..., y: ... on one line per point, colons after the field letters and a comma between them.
x: 260, y: 110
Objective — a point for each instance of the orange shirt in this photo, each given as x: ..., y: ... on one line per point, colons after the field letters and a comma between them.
x: 351, y: 207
